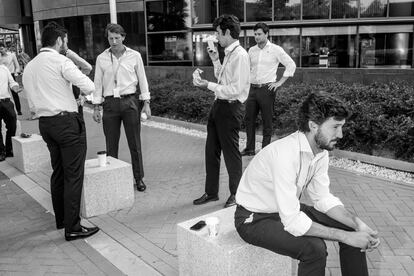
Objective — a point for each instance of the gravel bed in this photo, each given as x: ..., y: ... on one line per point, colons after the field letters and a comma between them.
x: 342, y: 163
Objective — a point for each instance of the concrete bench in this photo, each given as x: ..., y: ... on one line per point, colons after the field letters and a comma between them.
x: 226, y: 254
x: 30, y: 154
x: 106, y: 189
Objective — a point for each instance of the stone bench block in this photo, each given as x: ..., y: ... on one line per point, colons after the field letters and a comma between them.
x: 30, y: 154
x: 106, y: 189
x: 226, y: 254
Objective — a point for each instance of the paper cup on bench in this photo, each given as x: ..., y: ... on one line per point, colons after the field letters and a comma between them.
x: 102, y: 158
x: 213, y: 225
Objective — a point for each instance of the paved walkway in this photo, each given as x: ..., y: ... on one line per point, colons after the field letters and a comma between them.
x: 146, y: 233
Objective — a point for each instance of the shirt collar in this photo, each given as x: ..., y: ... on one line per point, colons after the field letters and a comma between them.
x: 231, y: 47
x: 48, y: 49
x: 305, y: 146
x: 127, y: 49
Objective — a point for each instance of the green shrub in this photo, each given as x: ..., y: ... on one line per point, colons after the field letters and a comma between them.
x: 382, y: 114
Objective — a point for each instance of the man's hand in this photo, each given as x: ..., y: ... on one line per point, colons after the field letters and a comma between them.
x: 274, y: 85
x: 359, y: 239
x: 97, y: 115
x: 146, y: 109
x: 200, y: 83
x: 16, y: 89
x: 213, y: 53
x: 363, y: 227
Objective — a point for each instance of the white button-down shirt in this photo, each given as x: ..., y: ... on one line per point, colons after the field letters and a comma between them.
x: 277, y: 176
x: 264, y: 63
x: 48, y: 79
x: 130, y: 73
x: 233, y: 75
x: 6, y: 82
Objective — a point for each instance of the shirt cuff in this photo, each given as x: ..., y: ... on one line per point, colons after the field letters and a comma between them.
x: 288, y: 73
x: 217, y: 62
x: 211, y: 86
x: 300, y: 225
x: 145, y: 96
x: 325, y: 204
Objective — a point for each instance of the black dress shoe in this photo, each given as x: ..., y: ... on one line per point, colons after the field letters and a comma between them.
x: 205, y: 198
x: 9, y: 154
x: 141, y: 186
x: 231, y: 201
x: 246, y: 152
x: 2, y: 157
x: 60, y: 226
x: 84, y: 232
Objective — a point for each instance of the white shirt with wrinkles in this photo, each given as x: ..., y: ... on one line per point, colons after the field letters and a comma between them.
x: 233, y: 75
x: 48, y: 79
x: 130, y: 73
x: 6, y: 82
x: 279, y: 173
x: 264, y: 63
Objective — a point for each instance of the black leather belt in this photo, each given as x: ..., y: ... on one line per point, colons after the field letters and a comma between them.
x: 254, y: 85
x: 61, y: 114
x: 227, y: 101
x: 121, y: 96
x: 5, y: 100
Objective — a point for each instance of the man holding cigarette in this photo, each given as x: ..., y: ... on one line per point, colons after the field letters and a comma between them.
x: 264, y: 60
x: 231, y: 90
x: 269, y: 212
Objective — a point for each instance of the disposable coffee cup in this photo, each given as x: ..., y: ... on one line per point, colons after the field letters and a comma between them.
x: 210, y: 44
x: 213, y: 225
x: 144, y: 116
x: 102, y: 158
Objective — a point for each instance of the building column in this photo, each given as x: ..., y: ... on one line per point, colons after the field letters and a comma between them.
x: 112, y: 10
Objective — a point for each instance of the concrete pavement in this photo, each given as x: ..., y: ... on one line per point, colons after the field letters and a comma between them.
x: 146, y: 233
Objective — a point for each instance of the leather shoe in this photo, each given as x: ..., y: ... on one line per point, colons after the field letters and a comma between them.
x: 205, y: 198
x: 83, y: 232
x: 231, y: 201
x: 247, y: 152
x: 2, y: 157
x: 141, y: 186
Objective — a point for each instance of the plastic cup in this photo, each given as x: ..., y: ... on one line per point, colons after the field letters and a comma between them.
x: 102, y: 158
x: 210, y: 44
x: 213, y: 225
x: 144, y: 116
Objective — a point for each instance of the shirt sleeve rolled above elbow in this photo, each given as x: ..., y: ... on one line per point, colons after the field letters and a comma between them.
x: 325, y: 204
x: 298, y: 225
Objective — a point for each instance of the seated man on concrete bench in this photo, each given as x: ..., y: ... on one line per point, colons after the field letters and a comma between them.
x: 269, y: 213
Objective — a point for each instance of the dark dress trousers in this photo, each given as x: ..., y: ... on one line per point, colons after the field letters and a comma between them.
x: 8, y: 115
x: 223, y: 128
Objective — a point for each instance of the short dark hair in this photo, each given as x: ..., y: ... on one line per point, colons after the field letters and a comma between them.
x: 262, y: 26
x: 228, y: 22
x: 115, y: 28
x: 319, y: 107
x: 51, y: 32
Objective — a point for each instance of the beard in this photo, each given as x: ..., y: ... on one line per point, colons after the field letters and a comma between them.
x: 323, y: 142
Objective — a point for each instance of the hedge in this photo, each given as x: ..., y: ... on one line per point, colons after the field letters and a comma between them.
x: 382, y: 114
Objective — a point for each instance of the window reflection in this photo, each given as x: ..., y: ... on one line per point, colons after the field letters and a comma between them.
x: 287, y: 9
x: 235, y: 7
x: 172, y: 47
x: 315, y: 9
x: 373, y: 8
x: 204, y: 11
x: 258, y: 10
x: 401, y: 8
x: 168, y: 15
x: 344, y: 9
x: 289, y: 40
x: 386, y: 46
x: 133, y: 23
x: 335, y: 48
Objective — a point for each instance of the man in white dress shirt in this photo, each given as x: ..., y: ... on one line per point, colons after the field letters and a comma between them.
x: 269, y: 212
x: 7, y: 113
x: 118, y: 70
x: 225, y: 117
x: 48, y: 80
x: 264, y: 61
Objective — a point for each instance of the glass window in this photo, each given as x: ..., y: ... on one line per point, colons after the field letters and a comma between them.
x: 100, y: 43
x: 168, y: 15
x: 329, y: 47
x: 133, y: 23
x: 204, y: 11
x: 315, y: 9
x: 258, y: 10
x: 287, y: 9
x: 373, y: 8
x: 386, y: 46
x: 171, y: 47
x: 235, y: 7
x: 201, y: 56
x: 401, y: 8
x: 344, y: 9
x: 289, y: 40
